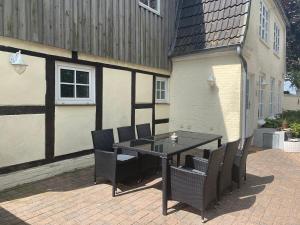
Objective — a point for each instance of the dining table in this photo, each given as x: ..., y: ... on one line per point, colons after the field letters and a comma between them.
x: 166, y: 146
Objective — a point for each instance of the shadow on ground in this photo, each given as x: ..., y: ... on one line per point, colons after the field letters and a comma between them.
x: 239, y: 199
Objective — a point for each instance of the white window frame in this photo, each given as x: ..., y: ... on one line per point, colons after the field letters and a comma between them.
x: 276, y: 43
x: 272, y: 96
x: 151, y: 9
x: 74, y: 100
x: 261, y: 97
x: 166, y: 99
x: 264, y: 21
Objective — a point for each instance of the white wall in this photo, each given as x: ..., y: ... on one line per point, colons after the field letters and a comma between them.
x: 116, y: 99
x: 22, y: 139
x: 196, y: 106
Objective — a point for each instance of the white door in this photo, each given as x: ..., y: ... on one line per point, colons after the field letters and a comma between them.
x: 249, y: 106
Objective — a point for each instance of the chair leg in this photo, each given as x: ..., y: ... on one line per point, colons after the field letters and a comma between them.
x: 95, y: 177
x: 202, y: 216
x: 245, y: 177
x: 239, y: 184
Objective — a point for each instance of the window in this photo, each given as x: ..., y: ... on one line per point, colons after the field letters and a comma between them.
x: 264, y: 22
x: 152, y: 5
x: 75, y: 84
x: 261, y: 98
x: 276, y: 44
x: 161, y: 90
x: 272, y: 97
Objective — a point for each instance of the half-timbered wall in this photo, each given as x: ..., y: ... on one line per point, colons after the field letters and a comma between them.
x: 118, y: 29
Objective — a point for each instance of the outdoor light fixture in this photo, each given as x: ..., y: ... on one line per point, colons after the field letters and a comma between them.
x: 17, y: 61
x: 211, y: 80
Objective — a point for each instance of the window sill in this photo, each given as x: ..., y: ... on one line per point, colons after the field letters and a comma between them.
x: 162, y: 103
x: 74, y: 104
x: 150, y: 9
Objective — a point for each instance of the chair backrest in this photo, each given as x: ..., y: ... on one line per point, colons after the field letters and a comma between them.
x: 245, y: 149
x: 143, y: 130
x: 229, y: 155
x: 214, y: 162
x: 126, y: 133
x: 103, y: 139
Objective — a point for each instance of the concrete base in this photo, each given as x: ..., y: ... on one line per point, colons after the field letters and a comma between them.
x: 38, y: 173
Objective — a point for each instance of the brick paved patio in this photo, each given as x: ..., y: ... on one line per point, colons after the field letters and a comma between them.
x: 270, y: 196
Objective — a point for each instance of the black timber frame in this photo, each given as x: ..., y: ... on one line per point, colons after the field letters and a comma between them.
x: 49, y: 108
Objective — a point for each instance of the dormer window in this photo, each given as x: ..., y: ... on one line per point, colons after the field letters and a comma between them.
x: 264, y: 22
x: 152, y: 5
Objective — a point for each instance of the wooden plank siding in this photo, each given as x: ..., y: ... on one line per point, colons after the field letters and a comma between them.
x: 118, y: 29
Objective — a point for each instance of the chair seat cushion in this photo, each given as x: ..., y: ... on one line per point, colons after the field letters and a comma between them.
x: 123, y: 158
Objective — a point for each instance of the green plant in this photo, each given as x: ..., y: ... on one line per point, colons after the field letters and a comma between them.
x: 272, y: 123
x: 295, y: 129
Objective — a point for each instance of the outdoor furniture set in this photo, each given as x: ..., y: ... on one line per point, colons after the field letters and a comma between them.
x: 198, y: 183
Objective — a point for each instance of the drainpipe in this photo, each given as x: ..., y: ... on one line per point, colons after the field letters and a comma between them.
x: 244, y: 79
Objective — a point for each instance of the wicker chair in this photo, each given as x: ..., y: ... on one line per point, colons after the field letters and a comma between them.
x: 109, y: 164
x: 225, y: 177
x: 127, y: 134
x: 149, y: 162
x: 239, y: 166
x: 194, y: 187
x: 143, y: 130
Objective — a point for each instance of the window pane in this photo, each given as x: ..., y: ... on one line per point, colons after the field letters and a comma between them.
x: 82, y: 77
x: 67, y: 76
x: 153, y: 4
x: 158, y: 94
x: 144, y: 2
x: 157, y: 85
x: 82, y: 91
x: 67, y: 91
x: 163, y: 85
x: 163, y: 95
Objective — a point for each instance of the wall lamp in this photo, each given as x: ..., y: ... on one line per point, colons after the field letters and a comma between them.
x: 18, y: 63
x: 211, y: 80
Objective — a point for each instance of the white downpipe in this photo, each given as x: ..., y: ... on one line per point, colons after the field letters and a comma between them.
x: 244, y: 89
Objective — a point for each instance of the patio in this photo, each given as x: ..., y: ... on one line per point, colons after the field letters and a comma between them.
x: 270, y: 196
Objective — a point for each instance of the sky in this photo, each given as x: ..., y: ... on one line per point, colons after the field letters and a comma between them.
x: 287, y: 87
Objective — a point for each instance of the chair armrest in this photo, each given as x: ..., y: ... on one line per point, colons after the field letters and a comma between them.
x: 196, y: 163
x: 105, y: 163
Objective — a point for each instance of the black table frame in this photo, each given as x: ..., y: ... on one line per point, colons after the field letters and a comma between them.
x: 165, y: 164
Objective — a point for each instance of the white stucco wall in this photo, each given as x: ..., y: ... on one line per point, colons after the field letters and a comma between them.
x: 196, y: 106
x: 73, y: 126
x: 143, y: 116
x: 28, y: 88
x: 22, y: 139
x: 116, y: 99
x: 262, y: 60
x: 291, y: 102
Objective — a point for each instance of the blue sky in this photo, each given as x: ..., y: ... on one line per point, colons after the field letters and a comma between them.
x: 287, y: 87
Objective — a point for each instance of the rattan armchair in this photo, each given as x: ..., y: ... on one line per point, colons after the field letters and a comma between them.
x: 194, y: 187
x: 108, y: 163
x: 225, y: 177
x: 240, y: 161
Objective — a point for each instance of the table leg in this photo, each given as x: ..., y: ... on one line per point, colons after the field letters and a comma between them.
x: 164, y: 185
x: 219, y: 143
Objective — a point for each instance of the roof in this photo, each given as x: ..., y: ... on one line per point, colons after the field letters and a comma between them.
x: 206, y: 24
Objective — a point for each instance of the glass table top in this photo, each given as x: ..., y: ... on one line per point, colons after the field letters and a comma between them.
x: 163, y: 145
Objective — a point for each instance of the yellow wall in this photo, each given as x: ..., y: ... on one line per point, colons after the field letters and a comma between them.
x: 73, y: 126
x: 196, y: 106
x: 291, y: 102
x: 22, y: 139
x: 162, y: 111
x: 143, y: 116
x: 144, y: 87
x: 116, y: 99
x: 161, y: 128
x: 262, y: 60
x: 28, y: 88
